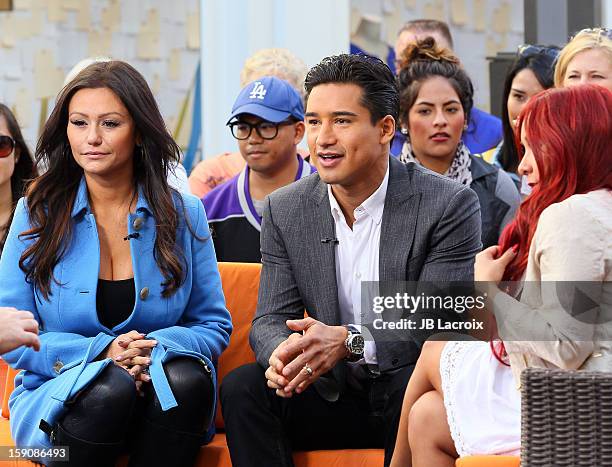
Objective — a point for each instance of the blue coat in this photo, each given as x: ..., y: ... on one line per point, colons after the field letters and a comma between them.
x: 193, y: 321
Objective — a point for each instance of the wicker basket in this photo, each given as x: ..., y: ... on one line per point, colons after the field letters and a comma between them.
x: 566, y: 418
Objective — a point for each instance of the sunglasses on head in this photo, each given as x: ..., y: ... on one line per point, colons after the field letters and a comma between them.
x: 601, y: 32
x: 526, y: 50
x: 7, y: 144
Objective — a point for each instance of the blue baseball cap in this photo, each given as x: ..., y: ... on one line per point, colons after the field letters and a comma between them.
x: 269, y: 98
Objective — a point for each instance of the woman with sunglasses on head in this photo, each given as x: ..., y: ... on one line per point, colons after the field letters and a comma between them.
x: 119, y: 271
x: 587, y: 58
x: 531, y: 73
x: 16, y: 169
x: 436, y: 97
x: 463, y: 397
x: 17, y: 327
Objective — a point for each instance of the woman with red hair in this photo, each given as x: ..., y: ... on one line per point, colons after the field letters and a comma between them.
x: 463, y: 397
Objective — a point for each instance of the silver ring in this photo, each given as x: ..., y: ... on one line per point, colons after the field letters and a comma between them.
x: 308, y: 370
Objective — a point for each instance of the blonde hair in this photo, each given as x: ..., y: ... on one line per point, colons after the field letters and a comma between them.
x: 585, y: 40
x: 275, y: 62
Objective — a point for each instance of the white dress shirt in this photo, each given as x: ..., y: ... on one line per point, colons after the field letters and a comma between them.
x: 357, y: 254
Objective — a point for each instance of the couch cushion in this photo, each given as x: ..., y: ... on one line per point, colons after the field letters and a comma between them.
x: 3, y: 370
x: 9, y: 385
x: 216, y: 453
x: 240, y: 286
x: 340, y: 458
x: 488, y: 461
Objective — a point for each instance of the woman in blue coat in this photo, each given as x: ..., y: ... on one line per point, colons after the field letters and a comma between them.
x: 119, y: 271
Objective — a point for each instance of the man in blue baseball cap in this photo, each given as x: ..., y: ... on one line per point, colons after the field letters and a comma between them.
x: 267, y: 120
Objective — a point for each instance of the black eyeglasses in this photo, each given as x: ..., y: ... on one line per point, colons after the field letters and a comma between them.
x: 526, y: 50
x: 7, y: 144
x: 266, y: 130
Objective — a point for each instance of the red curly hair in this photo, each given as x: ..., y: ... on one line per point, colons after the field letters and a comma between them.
x: 570, y: 132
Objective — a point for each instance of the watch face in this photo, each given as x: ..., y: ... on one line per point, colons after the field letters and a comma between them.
x: 357, y: 344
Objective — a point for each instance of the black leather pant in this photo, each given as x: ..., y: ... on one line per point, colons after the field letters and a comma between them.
x: 109, y: 418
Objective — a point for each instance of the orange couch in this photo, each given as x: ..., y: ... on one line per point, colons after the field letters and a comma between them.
x: 240, y: 285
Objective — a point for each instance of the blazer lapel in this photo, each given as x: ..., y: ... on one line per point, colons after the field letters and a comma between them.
x: 396, y: 238
x: 323, y: 272
x: 324, y: 257
x: 398, y: 225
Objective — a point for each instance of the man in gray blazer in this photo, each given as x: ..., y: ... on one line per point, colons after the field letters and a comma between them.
x: 317, y: 383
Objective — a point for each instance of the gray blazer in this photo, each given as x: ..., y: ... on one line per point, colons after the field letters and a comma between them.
x: 430, y: 232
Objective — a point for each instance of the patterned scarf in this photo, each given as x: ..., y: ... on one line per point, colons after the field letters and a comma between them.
x: 459, y: 169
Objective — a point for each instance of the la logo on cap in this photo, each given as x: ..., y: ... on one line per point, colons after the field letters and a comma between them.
x: 258, y: 92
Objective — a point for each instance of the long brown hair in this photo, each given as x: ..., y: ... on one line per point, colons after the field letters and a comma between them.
x: 51, y: 197
x: 24, y: 170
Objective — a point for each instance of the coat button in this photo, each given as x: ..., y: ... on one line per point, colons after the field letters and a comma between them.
x: 395, y: 361
x: 58, y: 367
x: 144, y: 293
x: 138, y: 223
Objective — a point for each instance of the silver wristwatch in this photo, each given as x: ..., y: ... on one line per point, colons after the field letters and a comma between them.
x: 355, y: 344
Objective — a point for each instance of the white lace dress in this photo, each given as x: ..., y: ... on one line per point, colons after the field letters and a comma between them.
x: 482, y: 403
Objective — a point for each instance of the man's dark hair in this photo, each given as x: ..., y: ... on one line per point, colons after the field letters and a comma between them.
x: 428, y: 25
x: 380, y: 92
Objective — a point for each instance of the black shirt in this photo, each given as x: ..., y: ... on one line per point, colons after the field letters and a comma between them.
x: 115, y: 301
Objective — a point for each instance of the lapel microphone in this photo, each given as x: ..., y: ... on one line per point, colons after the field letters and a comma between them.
x: 333, y: 241
x: 132, y: 235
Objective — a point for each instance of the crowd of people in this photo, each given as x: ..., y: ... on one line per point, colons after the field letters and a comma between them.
x: 111, y: 302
